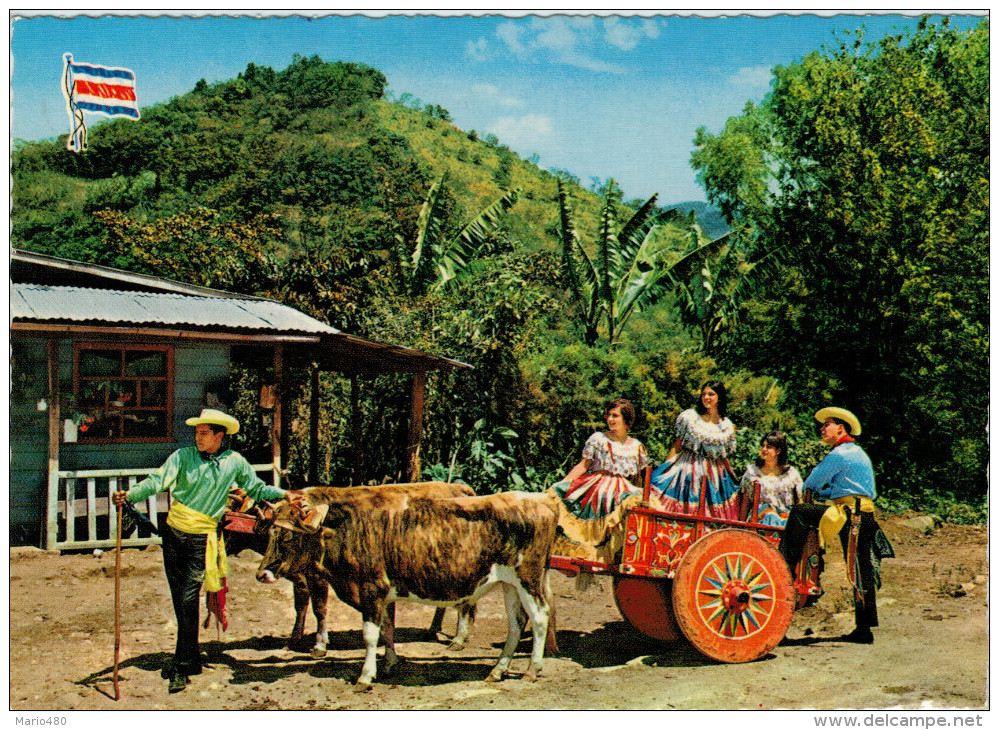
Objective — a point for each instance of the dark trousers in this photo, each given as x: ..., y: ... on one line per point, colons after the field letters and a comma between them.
x: 184, y: 561
x: 803, y: 519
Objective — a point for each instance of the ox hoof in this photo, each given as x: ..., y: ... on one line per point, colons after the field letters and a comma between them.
x: 317, y: 653
x: 531, y: 675
x: 495, y: 676
x: 362, y: 687
x: 456, y: 646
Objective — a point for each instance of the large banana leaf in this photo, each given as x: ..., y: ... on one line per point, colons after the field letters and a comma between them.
x: 648, y: 286
x: 635, y: 243
x: 608, y: 256
x: 435, y: 261
x: 429, y: 228
x: 460, y: 250
x: 634, y: 233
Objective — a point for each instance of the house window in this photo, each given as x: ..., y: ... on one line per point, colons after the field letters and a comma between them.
x: 123, y: 393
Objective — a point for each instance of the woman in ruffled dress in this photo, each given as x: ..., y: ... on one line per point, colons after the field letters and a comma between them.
x: 609, y: 469
x: 780, y: 483
x: 697, y: 467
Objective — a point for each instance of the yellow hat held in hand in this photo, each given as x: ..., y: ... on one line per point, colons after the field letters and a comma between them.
x: 215, y: 418
x: 843, y: 415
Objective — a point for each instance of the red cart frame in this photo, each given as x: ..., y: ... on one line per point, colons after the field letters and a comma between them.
x: 721, y: 584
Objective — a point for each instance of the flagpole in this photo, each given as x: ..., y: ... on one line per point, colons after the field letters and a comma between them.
x: 77, y: 140
x: 117, y: 606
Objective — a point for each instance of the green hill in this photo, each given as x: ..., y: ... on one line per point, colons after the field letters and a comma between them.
x: 316, y: 145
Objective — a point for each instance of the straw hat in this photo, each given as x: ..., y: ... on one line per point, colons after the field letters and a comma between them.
x: 843, y: 415
x: 215, y: 418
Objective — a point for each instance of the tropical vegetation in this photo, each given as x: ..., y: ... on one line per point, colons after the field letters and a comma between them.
x: 852, y: 267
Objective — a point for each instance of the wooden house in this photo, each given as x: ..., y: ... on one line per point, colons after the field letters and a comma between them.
x: 107, y: 365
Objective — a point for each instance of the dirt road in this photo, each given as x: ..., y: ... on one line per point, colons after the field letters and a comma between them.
x: 931, y: 649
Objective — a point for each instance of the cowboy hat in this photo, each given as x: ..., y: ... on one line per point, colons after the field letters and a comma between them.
x: 215, y: 418
x: 843, y: 415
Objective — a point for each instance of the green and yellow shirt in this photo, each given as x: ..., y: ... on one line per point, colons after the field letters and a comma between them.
x: 203, y: 484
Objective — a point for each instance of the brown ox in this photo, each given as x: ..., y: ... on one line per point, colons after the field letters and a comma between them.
x: 311, y: 588
x: 376, y: 549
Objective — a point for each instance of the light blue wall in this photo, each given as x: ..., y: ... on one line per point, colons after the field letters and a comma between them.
x: 29, y: 436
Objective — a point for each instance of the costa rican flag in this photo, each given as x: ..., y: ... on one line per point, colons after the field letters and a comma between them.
x: 96, y: 89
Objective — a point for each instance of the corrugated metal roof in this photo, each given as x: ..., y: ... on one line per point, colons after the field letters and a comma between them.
x: 77, y: 304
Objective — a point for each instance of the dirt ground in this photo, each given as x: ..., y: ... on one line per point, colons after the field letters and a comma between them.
x: 931, y: 650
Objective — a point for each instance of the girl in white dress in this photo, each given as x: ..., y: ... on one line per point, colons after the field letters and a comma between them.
x: 780, y: 483
x: 696, y: 475
x: 609, y: 469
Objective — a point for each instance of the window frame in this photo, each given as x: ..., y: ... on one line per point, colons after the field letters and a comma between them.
x: 126, y: 347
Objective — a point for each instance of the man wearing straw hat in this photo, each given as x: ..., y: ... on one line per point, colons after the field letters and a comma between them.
x: 199, y: 478
x: 845, y: 478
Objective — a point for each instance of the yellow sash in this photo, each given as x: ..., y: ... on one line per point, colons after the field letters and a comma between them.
x: 193, y: 522
x: 834, y: 518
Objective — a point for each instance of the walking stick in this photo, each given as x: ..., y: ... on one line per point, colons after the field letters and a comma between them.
x: 117, y: 606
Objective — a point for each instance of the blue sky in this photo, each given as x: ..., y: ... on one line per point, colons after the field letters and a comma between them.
x: 599, y: 95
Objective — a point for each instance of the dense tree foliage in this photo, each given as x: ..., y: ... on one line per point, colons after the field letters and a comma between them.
x: 868, y: 166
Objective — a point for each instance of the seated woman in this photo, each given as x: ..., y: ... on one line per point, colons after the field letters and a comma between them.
x: 609, y: 468
x: 697, y: 466
x: 780, y: 483
x: 591, y: 495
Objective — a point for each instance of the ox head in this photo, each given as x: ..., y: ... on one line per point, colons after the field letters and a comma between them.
x: 293, y: 529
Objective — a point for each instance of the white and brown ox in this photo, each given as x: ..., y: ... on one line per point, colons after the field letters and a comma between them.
x: 312, y: 588
x: 375, y: 549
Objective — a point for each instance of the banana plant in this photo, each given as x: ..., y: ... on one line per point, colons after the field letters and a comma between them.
x: 433, y: 259
x: 709, y: 301
x: 629, y: 271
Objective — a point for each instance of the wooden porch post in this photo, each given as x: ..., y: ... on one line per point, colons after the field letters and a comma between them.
x: 52, y: 504
x: 415, y: 426
x: 277, y: 428
x: 355, y: 433
x: 314, y: 427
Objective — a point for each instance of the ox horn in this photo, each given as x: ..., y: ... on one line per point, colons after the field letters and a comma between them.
x: 288, y: 525
x: 312, y: 521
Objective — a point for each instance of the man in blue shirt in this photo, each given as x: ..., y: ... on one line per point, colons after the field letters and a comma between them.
x: 199, y: 479
x: 845, y: 478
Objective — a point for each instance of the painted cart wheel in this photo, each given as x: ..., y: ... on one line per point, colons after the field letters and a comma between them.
x: 647, y: 604
x: 733, y: 596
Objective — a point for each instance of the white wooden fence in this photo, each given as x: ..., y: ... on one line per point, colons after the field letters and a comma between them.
x: 81, y: 514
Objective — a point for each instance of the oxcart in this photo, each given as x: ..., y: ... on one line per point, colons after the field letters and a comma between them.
x: 720, y: 584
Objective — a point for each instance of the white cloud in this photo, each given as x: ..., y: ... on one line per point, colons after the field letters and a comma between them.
x: 477, y: 50
x: 492, y: 94
x: 576, y: 40
x: 569, y: 39
x: 754, y: 79
x: 525, y: 130
x: 627, y: 36
x: 509, y: 33
x: 651, y: 26
x: 561, y: 34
